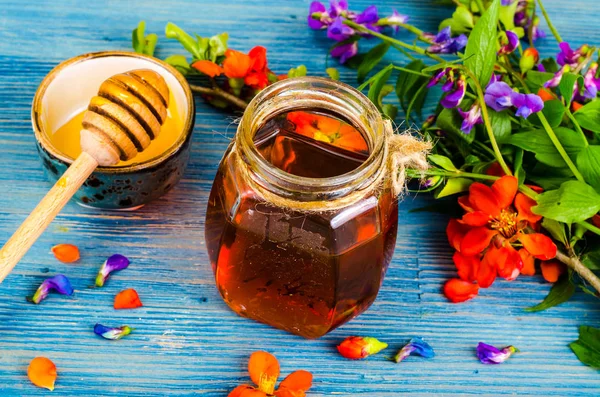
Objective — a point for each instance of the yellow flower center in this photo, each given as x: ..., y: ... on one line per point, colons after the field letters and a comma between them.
x: 506, y: 223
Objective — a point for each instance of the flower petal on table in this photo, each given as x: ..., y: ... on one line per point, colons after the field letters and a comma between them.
x: 127, y: 299
x: 42, y: 372
x: 66, y: 253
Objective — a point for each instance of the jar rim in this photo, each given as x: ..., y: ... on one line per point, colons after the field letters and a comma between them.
x: 312, y: 93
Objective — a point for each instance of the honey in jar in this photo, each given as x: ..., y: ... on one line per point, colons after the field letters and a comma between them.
x: 299, y: 228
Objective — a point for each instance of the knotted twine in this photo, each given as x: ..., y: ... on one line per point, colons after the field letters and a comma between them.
x: 401, y: 152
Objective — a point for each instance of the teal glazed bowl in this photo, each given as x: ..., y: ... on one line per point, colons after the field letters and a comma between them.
x: 67, y: 90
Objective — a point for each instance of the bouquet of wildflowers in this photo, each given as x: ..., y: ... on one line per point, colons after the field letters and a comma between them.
x: 517, y: 138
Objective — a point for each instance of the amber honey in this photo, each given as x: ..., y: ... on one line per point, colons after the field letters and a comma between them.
x: 66, y: 138
x: 306, y: 273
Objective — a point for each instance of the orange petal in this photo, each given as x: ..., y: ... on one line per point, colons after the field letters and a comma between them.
x: 523, y: 205
x: 487, y: 270
x: 285, y: 392
x: 552, y: 270
x: 456, y: 232
x: 467, y: 266
x: 236, y: 64
x: 545, y: 94
x: 258, y: 58
x: 538, y: 245
x: 127, y: 299
x: 508, y: 262
x: 505, y: 189
x: 477, y: 218
x: 464, y: 202
x: 476, y: 240
x: 495, y: 169
x: 528, y: 262
x: 207, y: 67
x: 42, y: 373
x: 457, y: 290
x: 482, y: 198
x: 66, y: 253
x: 246, y: 391
x: 298, y: 380
x: 264, y: 370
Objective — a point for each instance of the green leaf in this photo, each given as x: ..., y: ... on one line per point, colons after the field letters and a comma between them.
x: 408, y: 87
x: 538, y: 142
x: 378, y: 76
x: 535, y: 80
x: 461, y: 21
x: 482, y: 45
x: 554, y: 111
x: 217, y: 45
x: 378, y: 84
x: 371, y: 59
x: 587, y: 347
x: 507, y: 15
x: 518, y: 164
x: 151, y: 41
x: 389, y: 110
x: 588, y: 116
x: 567, y: 86
x: 442, y: 161
x: 137, y: 37
x: 591, y: 259
x: 560, y: 292
x: 333, y: 73
x: 556, y: 229
x: 180, y: 63
x: 500, y: 125
x: 573, y: 202
x: 454, y: 186
x: 450, y: 121
x: 588, y: 163
x: 173, y: 31
x: 550, y: 65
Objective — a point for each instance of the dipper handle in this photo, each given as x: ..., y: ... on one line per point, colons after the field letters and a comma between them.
x: 120, y: 122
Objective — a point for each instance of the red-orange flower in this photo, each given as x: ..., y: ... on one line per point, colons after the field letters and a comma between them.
x: 357, y: 347
x: 264, y: 371
x: 496, y: 218
x: 251, y: 67
x: 458, y: 290
x: 207, y: 67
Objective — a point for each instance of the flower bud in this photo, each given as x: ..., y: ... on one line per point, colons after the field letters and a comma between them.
x: 356, y: 347
x: 529, y: 59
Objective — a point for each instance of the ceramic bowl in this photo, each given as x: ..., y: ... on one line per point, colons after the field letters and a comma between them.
x: 67, y: 90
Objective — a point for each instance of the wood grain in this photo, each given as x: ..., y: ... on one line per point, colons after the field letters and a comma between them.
x: 186, y: 341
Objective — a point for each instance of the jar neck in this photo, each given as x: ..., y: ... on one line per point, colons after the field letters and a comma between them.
x: 315, y: 94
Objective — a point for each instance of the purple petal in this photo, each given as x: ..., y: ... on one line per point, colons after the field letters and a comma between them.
x: 396, y: 17
x: 368, y: 16
x: 470, y: 118
x: 444, y: 35
x: 316, y: 24
x: 337, y: 7
x: 112, y: 333
x: 338, y: 31
x: 489, y: 354
x: 112, y: 264
x: 527, y: 104
x: 507, y: 2
x: 498, y: 96
x: 556, y: 79
x: 345, y: 52
x: 416, y: 346
x: 58, y: 283
x: 454, y: 98
x: 436, y: 78
x: 513, y: 43
x: 460, y: 42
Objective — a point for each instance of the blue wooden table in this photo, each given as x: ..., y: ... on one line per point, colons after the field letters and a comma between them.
x: 187, y: 341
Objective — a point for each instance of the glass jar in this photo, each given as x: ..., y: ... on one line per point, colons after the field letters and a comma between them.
x: 302, y: 254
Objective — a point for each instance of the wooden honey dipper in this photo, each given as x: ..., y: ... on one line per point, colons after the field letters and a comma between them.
x: 121, y: 121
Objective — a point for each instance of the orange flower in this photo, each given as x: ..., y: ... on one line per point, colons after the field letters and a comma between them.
x: 209, y: 68
x: 357, y: 347
x: 252, y: 67
x: 545, y: 94
x: 552, y: 270
x: 127, y: 299
x: 457, y: 290
x: 575, y: 106
x: 496, y: 218
x: 264, y: 371
x: 42, y: 372
x: 236, y: 64
x: 66, y: 253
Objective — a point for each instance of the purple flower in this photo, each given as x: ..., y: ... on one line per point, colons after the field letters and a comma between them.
x: 112, y: 333
x: 324, y: 20
x: 507, y: 2
x: 513, y: 43
x: 567, y: 56
x: 454, y: 98
x: 337, y: 8
x: 338, y: 31
x: 521, y: 19
x: 430, y: 182
x: 437, y: 77
x: 368, y: 16
x: 590, y: 82
x: 489, y: 354
x: 345, y: 52
x: 416, y: 346
x: 556, y: 79
x: 498, y: 96
x: 112, y: 264
x: 58, y: 283
x: 396, y: 18
x: 444, y: 43
x: 527, y: 104
x: 470, y: 118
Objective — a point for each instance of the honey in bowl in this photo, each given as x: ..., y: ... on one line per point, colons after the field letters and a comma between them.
x: 306, y: 273
x: 66, y: 138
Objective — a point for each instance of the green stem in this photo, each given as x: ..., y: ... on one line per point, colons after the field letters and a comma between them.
x: 487, y: 122
x: 392, y: 41
x: 560, y: 148
x: 577, y: 126
x: 480, y: 6
x: 549, y: 22
x: 485, y: 148
x: 412, y: 71
x: 410, y: 28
